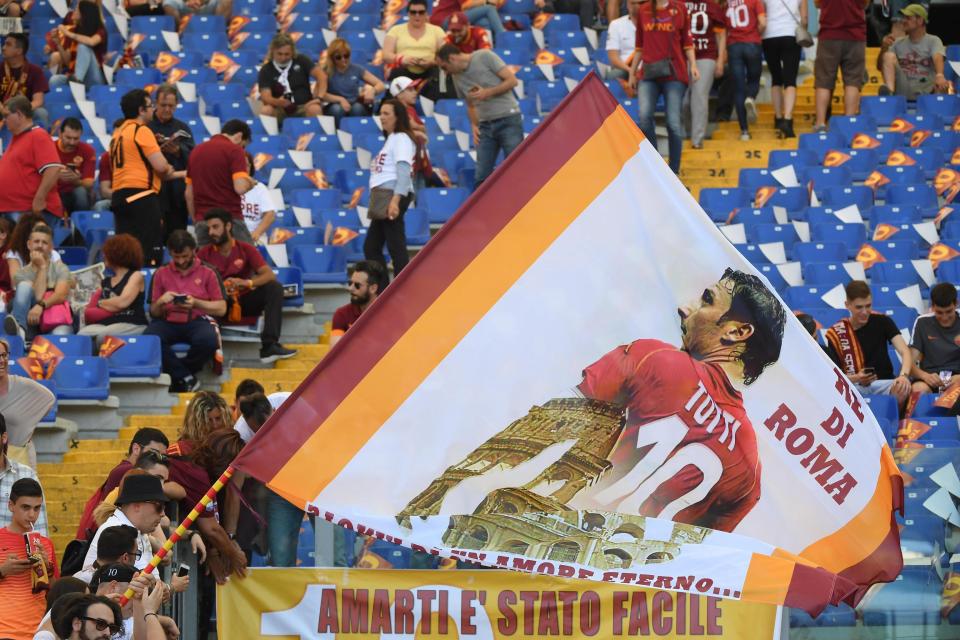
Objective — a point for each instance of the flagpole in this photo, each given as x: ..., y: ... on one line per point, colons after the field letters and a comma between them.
x: 182, y: 529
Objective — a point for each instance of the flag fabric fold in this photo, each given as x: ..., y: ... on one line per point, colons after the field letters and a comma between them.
x: 580, y: 376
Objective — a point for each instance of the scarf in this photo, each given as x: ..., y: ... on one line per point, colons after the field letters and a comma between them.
x: 284, y: 78
x: 845, y: 342
x: 12, y: 87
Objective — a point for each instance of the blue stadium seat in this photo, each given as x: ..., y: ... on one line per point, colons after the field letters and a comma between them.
x: 821, y: 143
x: 895, y: 272
x: 395, y: 556
x: 806, y: 296
x: 332, y: 162
x: 441, y: 203
x: 417, y: 225
x: 304, y: 235
x: 348, y: 218
x: 315, y: 198
x: 291, y: 276
x: 920, y: 534
x: 894, y: 214
x: 320, y: 263
x: 258, y: 7
x: 825, y: 274
x: 321, y: 145
x: 922, y: 120
x: 899, y: 175
x: 807, y: 252
x: 799, y: 158
x: 790, y: 198
x: 719, y: 202
x: 913, y: 598
x: 294, y: 179
x: 824, y: 177
x: 898, y: 249
x: 840, y: 197
x: 750, y: 217
x: 256, y: 41
x: 886, y: 297
x: 360, y: 126
x: 883, y: 108
x: 548, y: 94
x: 946, y: 141
x: 296, y: 127
x: 518, y: 41
x: 16, y: 347
x: 359, y: 22
x: 216, y: 92
x: 72, y: 345
x: 941, y: 430
x: 906, y: 231
x: 925, y: 407
x: 752, y: 253
x: 946, y: 106
x: 930, y: 159
x: 817, y: 215
x: 139, y: 357
x: 198, y: 24
x: 74, y: 257
x: 773, y: 276
x: 852, y: 235
x: 861, y: 163
x: 138, y: 77
x: 207, y: 42
x: 884, y: 408
x: 833, y: 616
x: 949, y: 271
x: 82, y: 378
x: 849, y: 126
x: 763, y: 233
x: 753, y: 178
x: 919, y: 195
x: 565, y: 39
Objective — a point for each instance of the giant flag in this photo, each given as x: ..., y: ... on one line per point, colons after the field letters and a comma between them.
x: 580, y: 376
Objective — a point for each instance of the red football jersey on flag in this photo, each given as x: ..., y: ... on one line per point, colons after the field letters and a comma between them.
x: 688, y: 452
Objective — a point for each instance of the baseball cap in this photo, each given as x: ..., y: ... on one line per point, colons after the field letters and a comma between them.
x: 116, y: 572
x: 914, y: 10
x: 401, y: 84
x: 458, y: 20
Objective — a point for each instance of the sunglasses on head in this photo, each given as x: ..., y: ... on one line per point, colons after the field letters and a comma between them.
x: 102, y: 624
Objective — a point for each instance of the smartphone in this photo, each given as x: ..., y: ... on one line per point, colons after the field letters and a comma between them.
x: 183, y: 570
x: 181, y: 299
x: 869, y: 371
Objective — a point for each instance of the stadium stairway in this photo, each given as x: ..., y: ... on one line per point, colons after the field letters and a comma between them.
x: 718, y: 164
x: 70, y: 483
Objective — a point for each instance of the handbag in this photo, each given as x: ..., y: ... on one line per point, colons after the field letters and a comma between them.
x: 657, y: 69
x: 56, y: 315
x: 379, y: 201
x: 804, y: 39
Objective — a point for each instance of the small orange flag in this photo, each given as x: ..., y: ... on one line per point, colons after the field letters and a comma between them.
x: 303, y: 141
x: 134, y: 41
x: 342, y: 236
x: 237, y: 23
x: 868, y: 255
x: 941, y: 253
x: 951, y: 193
x: 260, y: 160
x: 220, y: 62
x: 176, y: 75
x: 318, y: 178
x: 762, y: 196
x: 166, y: 61
x: 541, y: 19
x: 280, y: 235
x: 899, y: 125
x: 945, y: 179
x: 898, y: 158
x: 918, y: 137
x: 835, y: 158
x: 876, y: 180
x: 956, y: 124
x: 948, y: 398
x: 110, y: 345
x: 441, y: 173
x: 733, y: 214
x: 911, y: 430
x: 884, y: 231
x: 942, y: 214
x: 355, y: 198
x: 863, y: 141
x: 547, y: 57
x: 950, y: 594
x: 238, y: 40
x: 955, y: 158
x: 33, y: 367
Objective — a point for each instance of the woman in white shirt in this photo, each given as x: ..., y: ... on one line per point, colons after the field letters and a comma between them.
x: 782, y: 53
x: 392, y: 170
x: 258, y: 208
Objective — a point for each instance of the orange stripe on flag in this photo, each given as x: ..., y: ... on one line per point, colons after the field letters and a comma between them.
x: 468, y: 298
x: 768, y: 580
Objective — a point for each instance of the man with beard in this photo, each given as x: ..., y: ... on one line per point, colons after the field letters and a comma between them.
x: 249, y: 281
x: 366, y: 282
x: 86, y: 617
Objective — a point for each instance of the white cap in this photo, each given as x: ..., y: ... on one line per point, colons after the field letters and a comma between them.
x: 399, y: 84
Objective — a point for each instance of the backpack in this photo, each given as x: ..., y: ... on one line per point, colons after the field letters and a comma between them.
x: 72, y: 559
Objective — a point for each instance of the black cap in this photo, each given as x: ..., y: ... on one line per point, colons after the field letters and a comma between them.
x: 140, y: 488
x: 115, y: 572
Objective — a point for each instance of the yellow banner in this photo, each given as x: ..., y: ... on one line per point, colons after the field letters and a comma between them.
x: 358, y: 603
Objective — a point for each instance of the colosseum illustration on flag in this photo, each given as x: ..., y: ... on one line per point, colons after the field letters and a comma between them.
x: 579, y: 375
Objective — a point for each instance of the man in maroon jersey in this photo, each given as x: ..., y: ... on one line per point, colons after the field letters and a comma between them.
x: 688, y: 452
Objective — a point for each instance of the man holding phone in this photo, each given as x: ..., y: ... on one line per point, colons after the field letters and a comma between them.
x: 79, y: 161
x: 858, y: 345
x: 185, y: 298
x: 20, y: 608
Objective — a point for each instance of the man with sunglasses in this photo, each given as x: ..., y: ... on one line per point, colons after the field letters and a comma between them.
x: 87, y: 617
x: 140, y: 505
x: 116, y: 544
x: 20, y: 608
x: 366, y: 282
x: 113, y: 580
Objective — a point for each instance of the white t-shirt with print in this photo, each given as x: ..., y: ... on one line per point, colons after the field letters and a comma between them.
x: 254, y: 204
x: 383, y: 168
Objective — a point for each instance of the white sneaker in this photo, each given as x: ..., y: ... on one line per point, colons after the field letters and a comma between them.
x: 745, y: 135
x: 751, y: 108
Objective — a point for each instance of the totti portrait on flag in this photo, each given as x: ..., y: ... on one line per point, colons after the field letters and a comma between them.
x: 664, y: 426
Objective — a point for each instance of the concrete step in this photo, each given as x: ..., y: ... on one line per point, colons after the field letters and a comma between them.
x: 160, y: 422
x: 76, y: 468
x: 127, y: 433
x: 99, y: 457
x: 61, y: 484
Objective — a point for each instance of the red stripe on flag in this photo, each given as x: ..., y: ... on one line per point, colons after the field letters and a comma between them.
x: 537, y: 159
x: 812, y: 587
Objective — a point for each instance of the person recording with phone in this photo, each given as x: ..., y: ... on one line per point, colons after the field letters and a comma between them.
x: 186, y: 297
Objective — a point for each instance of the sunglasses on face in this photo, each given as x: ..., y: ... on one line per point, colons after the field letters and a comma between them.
x: 102, y: 624
x: 418, y: 12
x: 342, y: 56
x: 354, y: 285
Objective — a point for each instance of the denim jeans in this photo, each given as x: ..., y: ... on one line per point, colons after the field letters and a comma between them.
x: 485, y: 16
x: 503, y: 133
x: 85, y: 70
x: 23, y: 300
x: 199, y: 334
x: 647, y: 93
x: 76, y: 199
x: 745, y: 65
x: 283, y: 531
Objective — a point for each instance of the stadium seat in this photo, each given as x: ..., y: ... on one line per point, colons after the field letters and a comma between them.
x: 752, y: 178
x: 207, y: 42
x: 82, y: 378
x: 763, y: 233
x: 417, y: 225
x: 821, y: 143
x: 898, y: 249
x: 137, y: 77
x: 824, y: 177
x: 833, y: 616
x: 750, y: 217
x: 291, y: 276
x: 921, y: 534
x: 913, y: 598
x: 294, y: 179
x: 919, y: 195
x: 946, y: 141
x: 906, y: 231
x: 719, y: 202
x: 825, y: 274
x: 139, y: 357
x: 347, y: 218
x: 946, y: 106
x: 807, y: 252
x: 884, y: 408
x: 359, y: 126
x: 852, y: 235
x: 799, y: 158
x: 887, y: 297
x: 883, y: 108
x: 74, y: 257
x: 925, y: 407
x: 72, y: 345
x: 753, y: 253
x: 895, y: 272
x: 518, y: 41
x: 840, y: 197
x: 930, y: 159
x: 199, y: 24
x: 16, y: 347
x: 941, y: 429
x: 861, y: 162
x: 899, y: 175
x: 806, y: 296
x: 790, y: 198
x: 315, y: 198
x: 849, y: 126
x: 441, y: 203
x: 320, y: 263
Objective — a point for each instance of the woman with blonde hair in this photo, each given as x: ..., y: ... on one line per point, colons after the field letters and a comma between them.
x: 351, y: 89
x: 206, y: 412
